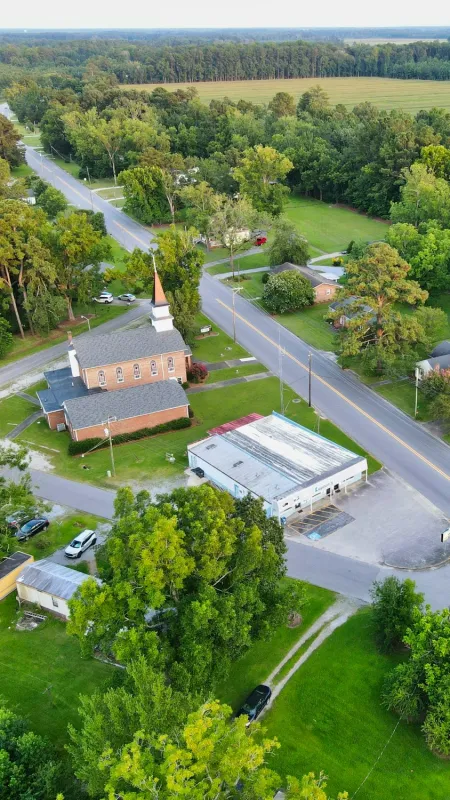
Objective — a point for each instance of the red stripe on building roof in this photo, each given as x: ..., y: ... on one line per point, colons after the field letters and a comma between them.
x: 235, y: 423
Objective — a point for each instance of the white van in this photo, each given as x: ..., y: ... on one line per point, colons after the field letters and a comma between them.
x: 80, y: 544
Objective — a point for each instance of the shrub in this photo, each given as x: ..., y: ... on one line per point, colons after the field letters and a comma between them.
x: 76, y: 448
x: 197, y: 373
x: 287, y: 291
x: 338, y: 261
x: 394, y: 603
x: 265, y: 277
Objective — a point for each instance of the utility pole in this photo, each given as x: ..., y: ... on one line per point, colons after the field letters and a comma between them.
x: 107, y: 430
x: 235, y: 290
x: 417, y: 392
x: 309, y: 378
x: 90, y: 188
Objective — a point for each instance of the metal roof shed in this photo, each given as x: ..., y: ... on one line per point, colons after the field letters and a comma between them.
x: 50, y: 585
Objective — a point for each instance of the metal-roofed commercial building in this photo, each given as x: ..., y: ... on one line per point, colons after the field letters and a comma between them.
x: 50, y: 586
x: 289, y: 466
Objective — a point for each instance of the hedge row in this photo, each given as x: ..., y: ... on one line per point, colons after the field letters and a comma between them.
x: 75, y: 448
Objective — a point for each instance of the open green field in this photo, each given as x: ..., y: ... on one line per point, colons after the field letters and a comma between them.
x: 147, y: 459
x: 256, y: 665
x: 329, y: 717
x: 382, y: 92
x: 330, y: 228
x: 43, y: 673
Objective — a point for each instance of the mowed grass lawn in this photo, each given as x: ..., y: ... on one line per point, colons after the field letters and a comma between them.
x: 14, y: 410
x: 256, y: 665
x: 330, y: 717
x: 146, y: 461
x: 382, y: 92
x: 330, y: 228
x: 260, y: 259
x: 43, y: 674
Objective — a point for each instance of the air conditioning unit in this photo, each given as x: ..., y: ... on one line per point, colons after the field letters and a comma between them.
x: 61, y: 426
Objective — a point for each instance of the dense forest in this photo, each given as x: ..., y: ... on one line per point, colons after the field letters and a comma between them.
x: 144, y: 62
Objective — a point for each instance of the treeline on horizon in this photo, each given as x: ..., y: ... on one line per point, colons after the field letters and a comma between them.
x: 193, y: 35
x: 141, y: 62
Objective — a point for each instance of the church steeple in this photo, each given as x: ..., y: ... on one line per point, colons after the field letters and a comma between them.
x: 160, y: 315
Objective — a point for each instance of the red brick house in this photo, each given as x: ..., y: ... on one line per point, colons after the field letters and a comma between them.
x: 131, y: 378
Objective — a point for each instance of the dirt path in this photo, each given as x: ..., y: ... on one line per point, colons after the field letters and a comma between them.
x: 335, y: 616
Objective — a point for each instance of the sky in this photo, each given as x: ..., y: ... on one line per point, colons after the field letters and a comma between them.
x: 217, y: 14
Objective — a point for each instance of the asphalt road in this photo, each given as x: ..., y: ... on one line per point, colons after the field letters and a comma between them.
x: 391, y: 436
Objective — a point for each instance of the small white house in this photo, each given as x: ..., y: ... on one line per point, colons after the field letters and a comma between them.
x: 50, y: 586
x: 433, y: 363
x: 289, y: 466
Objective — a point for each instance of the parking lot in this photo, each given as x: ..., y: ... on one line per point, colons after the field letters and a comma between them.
x: 384, y: 521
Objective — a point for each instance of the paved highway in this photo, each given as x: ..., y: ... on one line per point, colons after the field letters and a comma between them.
x: 395, y: 439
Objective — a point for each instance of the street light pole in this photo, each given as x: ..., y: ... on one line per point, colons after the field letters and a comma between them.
x: 309, y: 378
x: 87, y: 320
x: 236, y: 289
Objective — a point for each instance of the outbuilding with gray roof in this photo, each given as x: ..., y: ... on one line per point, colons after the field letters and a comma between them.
x: 50, y: 585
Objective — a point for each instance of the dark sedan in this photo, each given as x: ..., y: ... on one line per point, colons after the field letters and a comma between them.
x: 255, y: 703
x: 31, y: 528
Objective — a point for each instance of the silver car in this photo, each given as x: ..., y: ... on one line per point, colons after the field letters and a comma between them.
x: 80, y: 544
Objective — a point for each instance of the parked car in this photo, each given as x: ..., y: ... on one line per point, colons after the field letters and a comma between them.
x: 31, y: 528
x: 104, y: 297
x: 19, y: 517
x: 260, y: 240
x: 127, y: 298
x: 80, y: 544
x: 255, y: 703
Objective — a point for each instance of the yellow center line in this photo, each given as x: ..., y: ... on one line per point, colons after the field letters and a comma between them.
x: 69, y: 185
x: 133, y: 236
x: 339, y: 394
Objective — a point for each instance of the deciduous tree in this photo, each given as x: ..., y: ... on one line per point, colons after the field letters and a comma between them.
x: 75, y: 246
x: 288, y: 244
x: 9, y: 139
x: 393, y: 606
x: 287, y: 292
x: 260, y: 175
x: 232, y: 226
x: 377, y: 281
x: 202, y: 203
